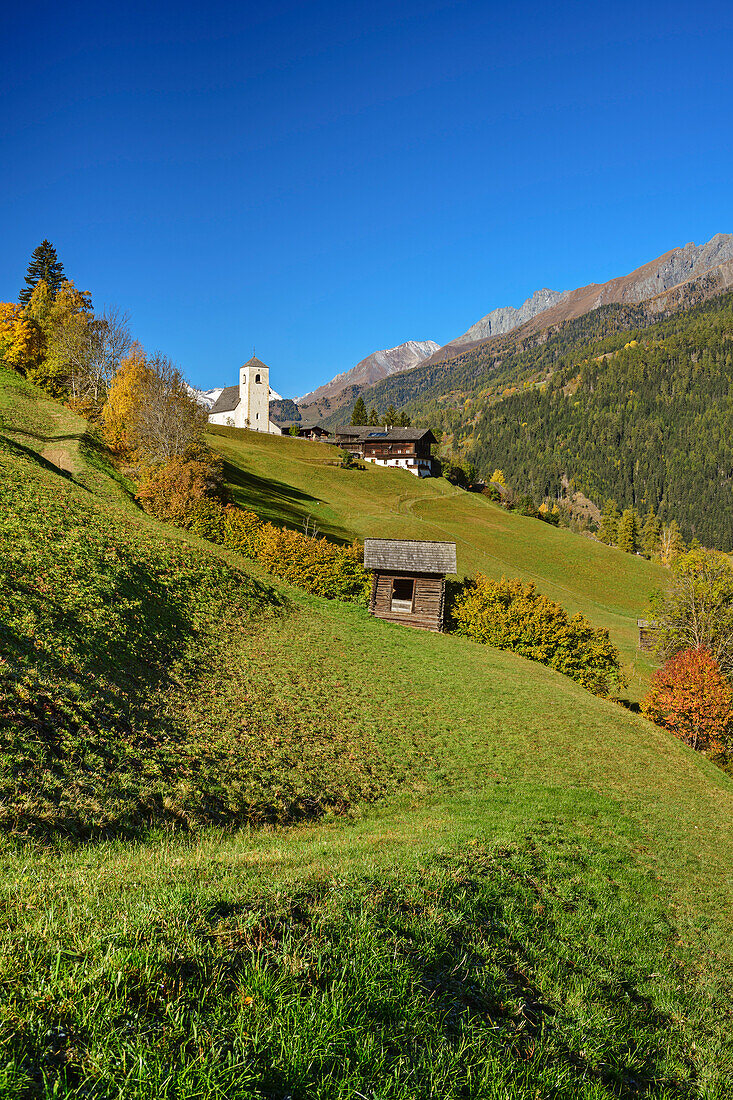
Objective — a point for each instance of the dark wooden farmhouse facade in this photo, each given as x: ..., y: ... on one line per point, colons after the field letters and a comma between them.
x: 408, y: 584
x: 306, y: 430
x: 406, y: 448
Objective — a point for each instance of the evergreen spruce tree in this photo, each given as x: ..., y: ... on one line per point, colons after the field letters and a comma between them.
x: 359, y: 415
x: 628, y: 531
x: 650, y: 534
x: 608, y: 530
x: 45, y: 265
x: 391, y: 416
x: 373, y: 417
x: 403, y: 420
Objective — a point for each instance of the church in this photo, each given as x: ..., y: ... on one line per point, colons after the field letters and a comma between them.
x: 248, y: 404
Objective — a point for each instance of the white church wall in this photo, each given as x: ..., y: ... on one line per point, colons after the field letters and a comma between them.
x: 226, y: 420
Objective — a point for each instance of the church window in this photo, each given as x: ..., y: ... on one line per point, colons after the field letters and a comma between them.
x: 257, y: 378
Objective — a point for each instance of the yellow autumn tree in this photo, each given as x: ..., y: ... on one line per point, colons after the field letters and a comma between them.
x: 50, y: 318
x: 150, y: 413
x: 21, y: 338
x: 64, y: 318
x: 497, y: 478
x: 128, y: 388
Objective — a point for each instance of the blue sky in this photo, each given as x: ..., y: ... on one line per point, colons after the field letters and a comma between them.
x: 320, y: 180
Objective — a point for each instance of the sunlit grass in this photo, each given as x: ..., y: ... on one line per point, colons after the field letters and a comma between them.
x: 286, y: 480
x: 506, y: 887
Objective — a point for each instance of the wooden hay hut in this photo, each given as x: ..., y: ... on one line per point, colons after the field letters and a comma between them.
x: 408, y: 585
x: 648, y: 634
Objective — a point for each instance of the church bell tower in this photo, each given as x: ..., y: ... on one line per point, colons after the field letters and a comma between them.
x: 253, y: 410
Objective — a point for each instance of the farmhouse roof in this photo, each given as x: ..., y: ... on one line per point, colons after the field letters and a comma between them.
x: 308, y: 424
x: 401, y: 435
x: 410, y: 555
x: 227, y: 400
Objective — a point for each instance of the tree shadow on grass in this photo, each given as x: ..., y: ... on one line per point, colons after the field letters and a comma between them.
x: 55, y: 437
x: 277, y: 502
x: 38, y: 458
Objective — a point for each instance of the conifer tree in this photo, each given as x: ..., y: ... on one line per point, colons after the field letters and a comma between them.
x: 403, y: 420
x: 391, y: 416
x: 608, y: 530
x: 359, y: 415
x: 44, y: 265
x: 628, y: 531
x: 650, y: 534
x: 373, y: 417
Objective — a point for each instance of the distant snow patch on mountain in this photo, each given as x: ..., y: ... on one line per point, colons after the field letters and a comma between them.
x: 380, y: 364
x: 208, y: 398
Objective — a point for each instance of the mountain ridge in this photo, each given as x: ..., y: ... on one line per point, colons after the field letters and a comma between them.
x: 666, y: 272
x: 380, y: 364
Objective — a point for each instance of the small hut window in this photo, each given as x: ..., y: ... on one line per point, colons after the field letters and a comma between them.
x: 403, y: 591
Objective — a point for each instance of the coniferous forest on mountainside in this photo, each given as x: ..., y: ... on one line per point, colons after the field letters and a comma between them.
x: 621, y: 406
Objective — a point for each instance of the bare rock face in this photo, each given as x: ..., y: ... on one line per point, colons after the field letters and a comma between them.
x: 702, y: 269
x: 678, y: 266
x: 380, y: 364
x: 507, y: 318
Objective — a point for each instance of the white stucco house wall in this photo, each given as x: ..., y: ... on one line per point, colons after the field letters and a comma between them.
x: 246, y: 405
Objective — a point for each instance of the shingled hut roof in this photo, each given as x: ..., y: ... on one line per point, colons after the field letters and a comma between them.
x: 227, y: 400
x: 410, y: 556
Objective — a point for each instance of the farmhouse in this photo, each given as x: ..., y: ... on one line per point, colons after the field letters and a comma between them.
x: 408, y: 584
x: 248, y: 404
x: 306, y: 429
x: 406, y: 448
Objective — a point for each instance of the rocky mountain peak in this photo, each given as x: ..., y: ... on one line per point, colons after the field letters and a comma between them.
x: 507, y: 318
x: 380, y: 364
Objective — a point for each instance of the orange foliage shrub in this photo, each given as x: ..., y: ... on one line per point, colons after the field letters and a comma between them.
x: 691, y: 697
x: 174, y: 489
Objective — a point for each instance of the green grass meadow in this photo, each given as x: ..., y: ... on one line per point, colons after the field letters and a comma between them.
x: 261, y: 845
x: 286, y: 480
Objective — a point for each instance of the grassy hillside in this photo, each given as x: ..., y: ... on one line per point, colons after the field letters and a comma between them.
x: 512, y: 889
x: 286, y: 480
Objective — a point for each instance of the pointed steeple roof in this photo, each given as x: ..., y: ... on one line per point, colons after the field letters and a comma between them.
x: 254, y: 362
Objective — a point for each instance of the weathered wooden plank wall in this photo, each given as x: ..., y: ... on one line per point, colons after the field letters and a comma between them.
x: 428, y: 603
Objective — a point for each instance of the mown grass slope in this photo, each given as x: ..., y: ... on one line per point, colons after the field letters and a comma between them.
x: 512, y: 889
x: 286, y: 480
